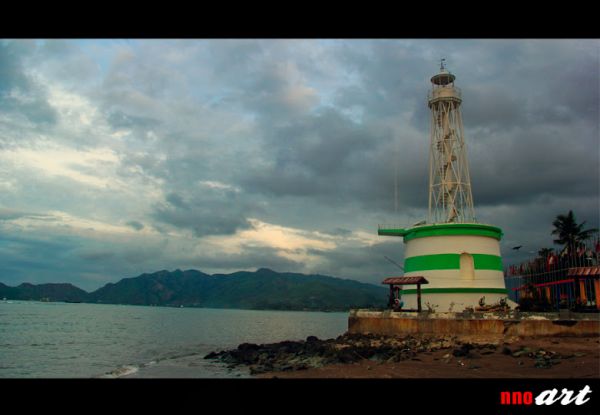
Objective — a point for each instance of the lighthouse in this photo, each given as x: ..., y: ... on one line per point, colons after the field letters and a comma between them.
x: 458, y: 256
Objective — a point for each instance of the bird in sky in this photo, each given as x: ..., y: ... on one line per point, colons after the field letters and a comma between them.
x: 517, y: 247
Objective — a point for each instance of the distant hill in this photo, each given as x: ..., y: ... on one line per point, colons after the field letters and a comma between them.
x: 264, y: 289
x: 45, y: 292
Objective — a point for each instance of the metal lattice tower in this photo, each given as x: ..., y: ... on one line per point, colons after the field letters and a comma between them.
x: 450, y: 198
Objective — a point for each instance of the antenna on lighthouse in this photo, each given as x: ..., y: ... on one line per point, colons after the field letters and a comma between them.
x: 396, y: 185
x: 442, y: 66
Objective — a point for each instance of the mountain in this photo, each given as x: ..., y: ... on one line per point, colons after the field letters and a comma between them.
x: 48, y: 292
x: 263, y: 289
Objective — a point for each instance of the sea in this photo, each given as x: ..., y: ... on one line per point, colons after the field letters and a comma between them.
x: 78, y: 340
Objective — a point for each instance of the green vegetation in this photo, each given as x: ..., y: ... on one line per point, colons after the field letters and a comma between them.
x: 263, y: 289
x: 570, y: 234
x: 43, y: 292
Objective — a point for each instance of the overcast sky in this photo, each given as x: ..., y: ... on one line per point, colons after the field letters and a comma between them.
x: 119, y: 157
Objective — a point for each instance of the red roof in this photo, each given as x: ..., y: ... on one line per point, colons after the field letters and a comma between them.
x: 405, y: 280
x: 584, y: 271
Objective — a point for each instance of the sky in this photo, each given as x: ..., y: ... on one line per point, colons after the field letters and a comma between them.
x: 120, y: 157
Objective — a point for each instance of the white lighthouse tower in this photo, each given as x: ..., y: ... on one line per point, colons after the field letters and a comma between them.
x: 450, y: 198
x: 458, y: 256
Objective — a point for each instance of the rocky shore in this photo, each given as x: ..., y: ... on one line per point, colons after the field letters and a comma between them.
x: 351, y: 348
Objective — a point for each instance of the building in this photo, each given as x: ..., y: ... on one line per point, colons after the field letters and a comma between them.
x: 459, y: 257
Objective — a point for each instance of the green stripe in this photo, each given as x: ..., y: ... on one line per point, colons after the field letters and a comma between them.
x: 457, y: 290
x: 450, y: 261
x: 427, y: 262
x: 446, y: 229
x: 392, y: 232
x: 485, y: 261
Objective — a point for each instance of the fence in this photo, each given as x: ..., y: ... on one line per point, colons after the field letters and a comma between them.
x: 570, y: 279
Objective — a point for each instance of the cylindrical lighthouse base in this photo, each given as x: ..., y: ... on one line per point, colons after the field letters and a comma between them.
x: 461, y: 261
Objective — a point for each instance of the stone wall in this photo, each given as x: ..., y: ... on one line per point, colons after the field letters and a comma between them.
x: 480, y: 324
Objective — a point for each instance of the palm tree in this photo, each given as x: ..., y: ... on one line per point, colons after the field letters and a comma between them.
x: 544, y: 252
x: 570, y: 234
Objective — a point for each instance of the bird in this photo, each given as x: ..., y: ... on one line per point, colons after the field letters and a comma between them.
x: 517, y: 247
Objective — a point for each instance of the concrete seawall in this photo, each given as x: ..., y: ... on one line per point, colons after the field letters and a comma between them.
x: 478, y: 324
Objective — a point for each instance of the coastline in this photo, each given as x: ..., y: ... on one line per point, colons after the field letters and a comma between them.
x: 372, y: 356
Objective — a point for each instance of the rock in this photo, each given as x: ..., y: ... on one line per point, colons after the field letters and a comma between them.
x: 248, y: 346
x: 212, y: 355
x: 464, y: 350
x: 521, y: 352
x: 542, y: 364
x: 348, y: 348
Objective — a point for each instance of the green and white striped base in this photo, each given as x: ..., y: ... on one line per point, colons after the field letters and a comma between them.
x: 462, y: 263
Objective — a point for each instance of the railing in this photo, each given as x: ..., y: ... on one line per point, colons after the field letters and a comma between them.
x: 444, y: 91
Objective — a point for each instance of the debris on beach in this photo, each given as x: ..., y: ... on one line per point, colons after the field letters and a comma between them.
x: 544, y: 359
x: 348, y: 348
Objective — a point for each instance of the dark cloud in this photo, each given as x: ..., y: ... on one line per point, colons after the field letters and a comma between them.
x: 338, y: 232
x: 119, y: 119
x: 535, y: 162
x: 332, y: 159
x: 97, y: 256
x: 248, y: 258
x: 19, y: 93
x: 363, y: 263
x: 177, y: 201
x: 10, y: 214
x: 138, y: 226
x: 207, y: 212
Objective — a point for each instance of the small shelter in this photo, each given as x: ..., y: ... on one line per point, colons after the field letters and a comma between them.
x: 396, y: 284
x: 587, y: 284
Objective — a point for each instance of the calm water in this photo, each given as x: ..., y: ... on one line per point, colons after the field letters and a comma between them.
x: 90, y: 340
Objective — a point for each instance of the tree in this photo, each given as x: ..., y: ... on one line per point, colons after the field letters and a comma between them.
x: 544, y: 252
x: 570, y: 234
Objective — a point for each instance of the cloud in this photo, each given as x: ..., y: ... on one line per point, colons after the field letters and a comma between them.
x: 211, y: 212
x: 135, y: 225
x: 121, y: 157
x: 20, y: 94
x: 12, y: 214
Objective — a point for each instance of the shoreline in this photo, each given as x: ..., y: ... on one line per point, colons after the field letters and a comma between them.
x: 377, y: 356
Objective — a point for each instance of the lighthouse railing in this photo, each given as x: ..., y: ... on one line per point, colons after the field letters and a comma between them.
x: 445, y: 90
